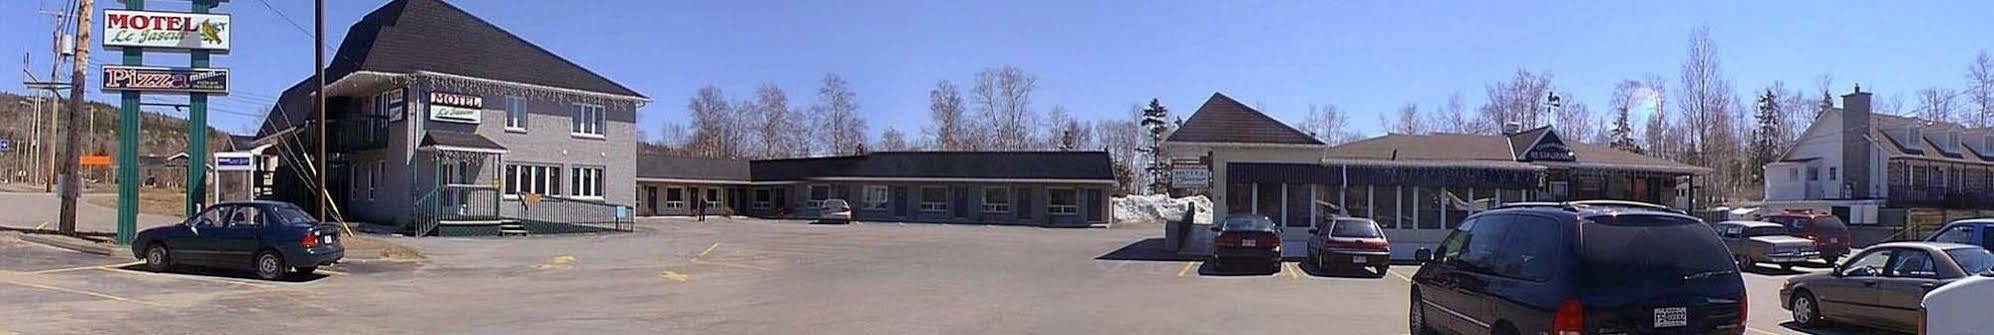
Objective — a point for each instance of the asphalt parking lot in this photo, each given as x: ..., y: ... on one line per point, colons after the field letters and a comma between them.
x: 739, y: 276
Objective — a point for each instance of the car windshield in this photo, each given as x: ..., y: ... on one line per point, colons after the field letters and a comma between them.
x: 1973, y: 260
x: 1355, y: 228
x: 1637, y: 257
x: 290, y: 215
x: 1829, y: 224
x: 1247, y: 224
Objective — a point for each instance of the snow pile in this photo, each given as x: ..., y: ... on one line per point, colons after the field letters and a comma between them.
x: 1157, y: 209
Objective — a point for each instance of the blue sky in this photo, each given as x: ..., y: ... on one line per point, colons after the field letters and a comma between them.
x: 1097, y: 58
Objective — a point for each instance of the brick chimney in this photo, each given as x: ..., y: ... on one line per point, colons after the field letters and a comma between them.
x: 1855, y: 145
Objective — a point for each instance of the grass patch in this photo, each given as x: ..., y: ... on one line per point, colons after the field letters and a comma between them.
x: 357, y: 244
x: 161, y: 202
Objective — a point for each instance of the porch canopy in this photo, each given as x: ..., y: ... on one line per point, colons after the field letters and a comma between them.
x: 458, y: 141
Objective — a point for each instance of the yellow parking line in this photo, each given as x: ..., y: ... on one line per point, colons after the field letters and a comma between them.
x: 1396, y: 274
x: 43, y: 225
x: 744, y: 266
x: 1291, y: 268
x: 76, y: 291
x: 1187, y: 268
x: 85, y: 268
x: 187, y: 277
x: 331, y: 272
x: 709, y: 249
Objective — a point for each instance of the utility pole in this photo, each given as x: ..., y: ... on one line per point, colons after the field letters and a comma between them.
x: 70, y: 183
x: 318, y: 68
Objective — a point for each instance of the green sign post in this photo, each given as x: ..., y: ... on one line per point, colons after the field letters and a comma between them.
x: 135, y: 30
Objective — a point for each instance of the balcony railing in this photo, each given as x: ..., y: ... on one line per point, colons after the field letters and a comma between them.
x: 1938, y: 197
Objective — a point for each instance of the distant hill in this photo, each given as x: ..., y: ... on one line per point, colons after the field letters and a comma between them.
x: 158, y: 134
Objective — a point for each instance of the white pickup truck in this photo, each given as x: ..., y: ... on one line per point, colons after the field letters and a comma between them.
x: 1959, y: 308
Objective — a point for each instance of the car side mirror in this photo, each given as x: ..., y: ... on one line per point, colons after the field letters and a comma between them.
x: 1313, y: 231
x: 1215, y: 229
x: 1423, y: 255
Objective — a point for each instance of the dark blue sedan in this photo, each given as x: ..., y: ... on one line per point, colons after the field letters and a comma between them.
x: 273, y: 239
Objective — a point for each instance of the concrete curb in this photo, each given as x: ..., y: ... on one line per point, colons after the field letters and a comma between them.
x: 72, y: 243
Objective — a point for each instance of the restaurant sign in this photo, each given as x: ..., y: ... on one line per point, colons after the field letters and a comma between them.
x: 166, y: 30
x: 165, y: 79
x: 1550, y: 152
x: 455, y: 107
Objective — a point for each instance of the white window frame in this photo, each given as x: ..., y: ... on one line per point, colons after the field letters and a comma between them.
x: 587, y: 182
x: 712, y: 196
x: 675, y: 204
x: 1002, y: 203
x: 590, y: 121
x: 811, y: 199
x: 1058, y: 209
x: 533, y: 178
x: 875, y: 197
x: 763, y: 198
x: 934, y: 205
x: 515, y: 114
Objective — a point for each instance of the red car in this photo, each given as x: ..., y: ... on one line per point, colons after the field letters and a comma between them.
x: 1829, y: 234
x: 1246, y: 239
x: 1350, y: 242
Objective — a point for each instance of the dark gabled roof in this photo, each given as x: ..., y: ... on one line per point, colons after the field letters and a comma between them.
x: 1222, y: 119
x: 430, y: 35
x: 406, y: 36
x: 1523, y: 140
x: 458, y: 139
x: 669, y: 167
x: 1062, y: 165
x: 1891, y: 133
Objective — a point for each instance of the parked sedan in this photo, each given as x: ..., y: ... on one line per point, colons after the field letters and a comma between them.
x: 1246, y: 239
x: 1829, y: 234
x: 1753, y: 242
x: 1350, y: 242
x: 835, y: 210
x: 274, y: 239
x: 1882, y: 286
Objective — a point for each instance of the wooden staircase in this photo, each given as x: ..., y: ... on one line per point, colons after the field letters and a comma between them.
x: 512, y: 228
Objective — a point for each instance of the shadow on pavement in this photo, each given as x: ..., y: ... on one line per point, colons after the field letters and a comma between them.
x: 1146, y: 250
x: 1769, y: 270
x: 228, y: 273
x: 1239, y: 270
x: 1834, y: 329
x: 1339, y: 272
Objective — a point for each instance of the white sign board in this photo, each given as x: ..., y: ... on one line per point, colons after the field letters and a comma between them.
x: 235, y: 161
x: 166, y: 30
x: 456, y: 107
x: 1190, y: 178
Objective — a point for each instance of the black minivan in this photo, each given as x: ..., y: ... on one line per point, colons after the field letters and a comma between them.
x: 1576, y: 269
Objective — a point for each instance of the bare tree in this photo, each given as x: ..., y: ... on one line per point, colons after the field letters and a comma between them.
x: 1064, y: 133
x: 1328, y: 124
x: 1519, y: 100
x: 1706, y: 106
x: 1124, y: 139
x: 1575, y: 120
x: 1660, y: 132
x: 779, y: 133
x: 1620, y: 132
x: 837, y: 111
x: 1453, y: 118
x: 1892, y: 106
x: 713, y: 125
x: 951, y: 127
x: 1936, y: 105
x: 1405, y: 121
x: 891, y: 140
x: 1980, y: 91
x: 1003, y: 98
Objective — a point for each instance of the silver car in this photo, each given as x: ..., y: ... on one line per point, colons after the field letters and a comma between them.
x: 835, y: 210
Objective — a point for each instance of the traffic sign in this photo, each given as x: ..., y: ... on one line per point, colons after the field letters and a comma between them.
x: 6, y: 145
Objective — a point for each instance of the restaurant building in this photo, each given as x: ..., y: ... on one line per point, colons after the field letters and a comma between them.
x: 1053, y: 188
x: 444, y: 123
x: 1416, y: 186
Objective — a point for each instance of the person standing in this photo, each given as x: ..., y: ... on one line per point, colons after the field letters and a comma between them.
x: 699, y: 207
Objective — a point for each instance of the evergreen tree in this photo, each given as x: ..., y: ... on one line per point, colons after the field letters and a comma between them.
x: 1767, y: 137
x: 1623, y: 132
x: 1155, y: 120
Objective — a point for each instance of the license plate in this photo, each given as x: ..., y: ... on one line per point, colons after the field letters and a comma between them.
x: 1248, y: 243
x: 1671, y: 317
x: 1359, y: 259
x: 328, y: 239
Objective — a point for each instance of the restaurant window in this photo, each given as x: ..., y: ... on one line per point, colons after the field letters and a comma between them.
x: 764, y: 198
x: 587, y: 120
x: 532, y: 179
x: 1062, y: 201
x: 515, y: 113
x: 875, y: 197
x: 712, y: 198
x: 674, y: 198
x: 1357, y: 201
x: 1385, y: 207
x: 934, y: 199
x: 1238, y: 198
x: 818, y: 193
x: 996, y: 200
x: 1268, y: 203
x: 587, y: 182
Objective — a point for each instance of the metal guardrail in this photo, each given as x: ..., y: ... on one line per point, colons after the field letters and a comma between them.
x: 584, y: 213
x: 454, y: 202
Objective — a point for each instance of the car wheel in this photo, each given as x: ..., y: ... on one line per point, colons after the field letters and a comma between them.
x: 1382, y: 270
x: 270, y: 266
x: 1416, y: 317
x: 157, y: 258
x: 1806, y: 311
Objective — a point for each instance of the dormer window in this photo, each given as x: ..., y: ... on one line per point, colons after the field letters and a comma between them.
x: 1988, y: 147
x: 1952, y: 141
x: 1914, y: 135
